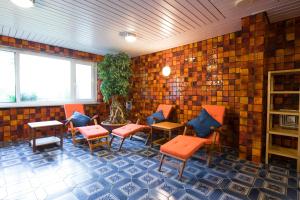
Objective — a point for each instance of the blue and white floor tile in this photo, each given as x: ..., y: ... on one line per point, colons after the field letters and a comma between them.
x: 131, y: 174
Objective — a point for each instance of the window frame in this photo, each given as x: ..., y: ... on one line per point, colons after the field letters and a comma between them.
x: 73, y: 63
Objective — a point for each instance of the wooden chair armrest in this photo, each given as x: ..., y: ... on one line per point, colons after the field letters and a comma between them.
x: 219, y: 129
x: 155, y: 119
x: 138, y: 116
x: 94, y: 117
x: 186, y: 128
x: 215, y: 131
x: 67, y: 121
x: 138, y: 121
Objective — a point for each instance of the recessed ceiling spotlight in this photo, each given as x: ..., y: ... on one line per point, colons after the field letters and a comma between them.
x: 242, y: 3
x: 24, y: 3
x: 129, y: 37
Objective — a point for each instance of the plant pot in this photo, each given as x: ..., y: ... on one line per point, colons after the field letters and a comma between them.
x: 110, y: 127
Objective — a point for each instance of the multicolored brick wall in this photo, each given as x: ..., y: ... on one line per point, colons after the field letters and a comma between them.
x: 49, y: 49
x: 205, y: 72
x: 283, y: 52
x: 229, y: 70
x: 252, y: 77
x: 13, y: 121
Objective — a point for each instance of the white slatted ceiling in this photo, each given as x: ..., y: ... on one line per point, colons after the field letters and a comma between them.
x: 284, y: 12
x: 94, y: 25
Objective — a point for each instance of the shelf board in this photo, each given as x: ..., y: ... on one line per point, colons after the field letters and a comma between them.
x: 285, y: 92
x: 283, y: 151
x: 45, y: 141
x: 282, y: 112
x: 284, y: 132
x: 288, y: 71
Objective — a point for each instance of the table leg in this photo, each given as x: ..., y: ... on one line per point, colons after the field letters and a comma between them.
x: 61, y: 138
x: 170, y: 135
x: 29, y: 136
x: 33, y: 140
x: 151, y: 137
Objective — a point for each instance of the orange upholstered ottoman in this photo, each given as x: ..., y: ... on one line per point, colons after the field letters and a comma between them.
x: 126, y: 131
x: 181, y: 147
x: 90, y: 132
x: 93, y: 135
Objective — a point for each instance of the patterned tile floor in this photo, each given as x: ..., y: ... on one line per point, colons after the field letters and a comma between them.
x: 132, y: 174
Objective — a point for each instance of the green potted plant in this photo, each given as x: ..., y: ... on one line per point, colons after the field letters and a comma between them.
x: 115, y: 73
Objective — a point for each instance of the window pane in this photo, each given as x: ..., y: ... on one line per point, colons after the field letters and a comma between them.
x: 83, y: 81
x: 7, y: 77
x: 44, y: 79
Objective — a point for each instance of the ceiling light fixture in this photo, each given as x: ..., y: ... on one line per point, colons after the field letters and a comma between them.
x: 23, y: 3
x: 129, y: 37
x: 243, y: 3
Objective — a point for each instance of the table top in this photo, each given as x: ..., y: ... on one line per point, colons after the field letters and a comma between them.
x: 42, y: 124
x: 167, y: 125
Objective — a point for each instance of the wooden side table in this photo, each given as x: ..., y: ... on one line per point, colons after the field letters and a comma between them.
x: 167, y: 127
x: 34, y: 142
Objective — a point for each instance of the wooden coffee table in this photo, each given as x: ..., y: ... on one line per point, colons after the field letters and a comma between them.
x: 34, y: 142
x: 166, y: 127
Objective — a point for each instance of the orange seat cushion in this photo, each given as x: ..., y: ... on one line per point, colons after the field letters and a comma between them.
x: 128, y: 130
x: 182, y: 146
x: 94, y: 131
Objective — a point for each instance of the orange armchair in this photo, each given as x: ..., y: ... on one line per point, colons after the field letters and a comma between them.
x: 92, y: 133
x: 183, y: 146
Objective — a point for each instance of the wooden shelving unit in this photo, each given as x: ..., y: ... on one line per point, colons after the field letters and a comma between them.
x: 273, y: 129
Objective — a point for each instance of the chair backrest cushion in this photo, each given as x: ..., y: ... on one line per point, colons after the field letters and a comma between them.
x: 202, y: 124
x: 79, y: 119
x: 155, y: 117
x: 216, y: 111
x: 71, y: 108
x: 166, y: 109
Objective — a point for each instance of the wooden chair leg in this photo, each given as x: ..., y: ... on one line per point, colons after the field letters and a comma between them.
x: 181, y: 170
x: 91, y: 146
x: 219, y: 148
x: 107, y: 142
x: 148, y: 137
x: 73, y: 138
x: 209, y: 155
x: 161, y: 161
x: 111, y: 140
x: 121, y: 144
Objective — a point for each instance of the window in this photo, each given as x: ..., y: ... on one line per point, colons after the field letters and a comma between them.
x: 44, y: 79
x: 84, y: 81
x: 28, y: 79
x: 7, y: 77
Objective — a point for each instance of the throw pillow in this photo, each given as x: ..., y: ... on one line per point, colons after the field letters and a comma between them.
x: 157, y: 117
x: 202, y: 123
x: 80, y: 119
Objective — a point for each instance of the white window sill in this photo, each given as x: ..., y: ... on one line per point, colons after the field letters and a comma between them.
x: 43, y: 104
